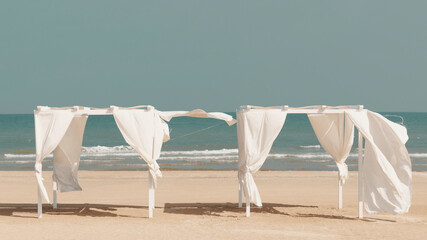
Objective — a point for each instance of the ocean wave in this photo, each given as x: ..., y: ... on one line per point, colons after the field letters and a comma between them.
x: 280, y: 156
x: 305, y: 155
x: 7, y: 155
x: 310, y: 147
x: 115, y: 154
x: 200, y: 157
x: 99, y: 161
x: 126, y: 152
x: 186, y: 155
x: 17, y: 162
x: 142, y: 165
x: 331, y: 166
x: 105, y: 149
x: 418, y: 155
x: 203, y: 152
x: 129, y: 151
x: 211, y: 161
x: 317, y: 161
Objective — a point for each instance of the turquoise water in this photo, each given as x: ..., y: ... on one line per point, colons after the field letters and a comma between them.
x: 195, y: 144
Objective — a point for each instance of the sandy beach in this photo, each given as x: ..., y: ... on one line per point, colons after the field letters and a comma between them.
x: 202, y: 205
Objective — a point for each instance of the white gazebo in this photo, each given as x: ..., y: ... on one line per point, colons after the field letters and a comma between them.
x: 60, y: 130
x: 384, y: 166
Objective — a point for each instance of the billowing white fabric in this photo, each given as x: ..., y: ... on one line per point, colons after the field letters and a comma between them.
x: 386, y: 169
x: 145, y: 131
x: 256, y: 132
x: 335, y: 133
x: 66, y: 157
x: 50, y: 128
x: 199, y: 113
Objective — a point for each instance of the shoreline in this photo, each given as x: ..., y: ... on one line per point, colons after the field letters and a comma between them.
x: 198, y: 169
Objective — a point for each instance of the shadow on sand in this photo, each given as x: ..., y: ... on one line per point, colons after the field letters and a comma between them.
x: 215, y: 209
x: 26, y: 210
x: 90, y: 210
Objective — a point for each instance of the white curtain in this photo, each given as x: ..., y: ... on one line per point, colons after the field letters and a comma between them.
x: 335, y: 133
x: 387, y: 175
x: 67, y: 156
x: 50, y: 128
x: 256, y: 132
x: 145, y: 131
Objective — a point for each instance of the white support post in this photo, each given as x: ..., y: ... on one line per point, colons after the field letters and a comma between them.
x: 39, y: 203
x: 150, y: 195
x: 248, y: 207
x: 360, y: 175
x: 240, y: 194
x: 339, y: 192
x: 55, y: 190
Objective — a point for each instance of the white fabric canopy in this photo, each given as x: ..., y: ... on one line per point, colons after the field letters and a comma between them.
x: 335, y: 133
x: 256, y: 132
x: 50, y: 128
x: 144, y: 131
x: 66, y: 157
x: 199, y: 113
x: 61, y: 130
x: 386, y: 170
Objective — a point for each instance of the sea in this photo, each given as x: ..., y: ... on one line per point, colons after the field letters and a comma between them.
x: 202, y: 144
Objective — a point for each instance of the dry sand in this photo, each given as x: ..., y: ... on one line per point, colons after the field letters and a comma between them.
x: 202, y: 205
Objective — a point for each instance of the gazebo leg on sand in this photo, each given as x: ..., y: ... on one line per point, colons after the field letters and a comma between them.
x: 360, y: 185
x: 151, y: 197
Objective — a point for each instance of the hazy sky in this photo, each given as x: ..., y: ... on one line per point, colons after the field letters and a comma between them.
x: 216, y: 55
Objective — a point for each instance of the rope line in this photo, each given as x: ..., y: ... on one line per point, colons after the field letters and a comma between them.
x: 191, y: 133
x: 398, y: 116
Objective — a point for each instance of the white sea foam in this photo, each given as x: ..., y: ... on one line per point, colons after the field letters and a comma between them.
x: 304, y: 156
x: 129, y: 151
x: 98, y: 161
x: 17, y: 162
x: 317, y: 160
x: 115, y: 154
x: 7, y: 155
x: 183, y: 155
x: 202, y: 152
x: 105, y: 154
x: 310, y: 147
x: 280, y: 156
x: 210, y: 161
x: 331, y: 166
x: 418, y: 155
x: 125, y: 165
x: 104, y: 149
x: 199, y: 157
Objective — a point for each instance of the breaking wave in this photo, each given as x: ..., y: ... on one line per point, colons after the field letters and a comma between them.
x: 104, y: 154
x: 310, y: 147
